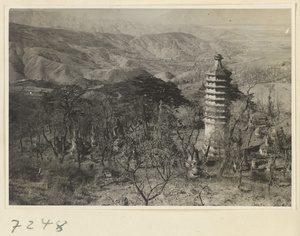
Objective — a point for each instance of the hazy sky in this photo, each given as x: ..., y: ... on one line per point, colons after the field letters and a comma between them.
x: 213, y: 16
x: 188, y: 16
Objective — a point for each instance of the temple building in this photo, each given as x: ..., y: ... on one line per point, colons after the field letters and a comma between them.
x: 217, y: 99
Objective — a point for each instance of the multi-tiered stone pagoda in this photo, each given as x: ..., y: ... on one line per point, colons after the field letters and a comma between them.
x: 217, y: 99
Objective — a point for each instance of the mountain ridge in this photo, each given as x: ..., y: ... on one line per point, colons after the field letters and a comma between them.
x: 68, y: 56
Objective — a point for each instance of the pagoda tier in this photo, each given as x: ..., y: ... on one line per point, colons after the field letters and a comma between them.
x: 215, y: 97
x: 215, y: 108
x: 217, y: 104
x: 213, y: 80
x: 214, y: 91
x: 216, y: 80
x: 216, y: 86
x: 216, y: 114
x: 212, y: 121
x: 216, y: 117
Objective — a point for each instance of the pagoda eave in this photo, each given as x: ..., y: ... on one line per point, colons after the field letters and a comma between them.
x: 213, y: 86
x: 214, y: 122
x: 217, y: 80
x: 215, y: 92
x: 215, y: 99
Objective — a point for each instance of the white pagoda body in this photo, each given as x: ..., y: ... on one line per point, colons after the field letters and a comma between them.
x: 217, y: 99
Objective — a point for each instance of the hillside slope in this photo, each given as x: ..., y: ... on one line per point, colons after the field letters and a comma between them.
x: 67, y: 56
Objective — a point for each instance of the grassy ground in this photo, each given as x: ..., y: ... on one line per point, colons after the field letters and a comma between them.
x: 47, y: 182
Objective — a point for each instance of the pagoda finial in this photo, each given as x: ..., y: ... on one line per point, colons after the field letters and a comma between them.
x: 218, y: 57
x: 218, y: 64
x: 218, y: 69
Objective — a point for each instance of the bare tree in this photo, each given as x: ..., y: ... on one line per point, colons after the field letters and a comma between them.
x: 187, y: 131
x: 148, y: 158
x: 61, y: 107
x: 240, y: 111
x: 149, y: 169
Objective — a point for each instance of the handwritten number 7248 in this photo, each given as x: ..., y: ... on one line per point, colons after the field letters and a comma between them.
x: 59, y: 226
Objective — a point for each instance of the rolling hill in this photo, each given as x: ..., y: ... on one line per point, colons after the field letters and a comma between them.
x: 68, y: 56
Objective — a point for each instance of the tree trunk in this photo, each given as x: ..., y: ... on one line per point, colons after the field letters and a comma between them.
x: 241, y: 172
x: 79, y: 161
x: 286, y: 164
x: 224, y: 162
x: 223, y: 166
x: 21, y: 145
x: 50, y: 143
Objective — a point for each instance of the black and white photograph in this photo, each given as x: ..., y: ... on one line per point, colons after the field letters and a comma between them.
x: 155, y: 107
